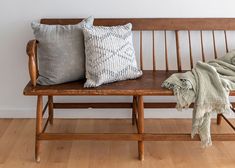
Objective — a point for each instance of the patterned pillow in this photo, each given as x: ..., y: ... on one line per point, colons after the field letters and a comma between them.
x: 110, y: 55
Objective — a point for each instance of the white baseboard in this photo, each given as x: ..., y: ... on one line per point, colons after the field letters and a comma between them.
x: 97, y: 113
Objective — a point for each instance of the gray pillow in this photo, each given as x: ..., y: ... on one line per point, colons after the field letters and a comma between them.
x: 61, y: 55
x: 110, y: 55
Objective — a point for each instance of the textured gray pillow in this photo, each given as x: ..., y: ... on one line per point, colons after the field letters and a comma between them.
x: 61, y: 55
x: 110, y: 55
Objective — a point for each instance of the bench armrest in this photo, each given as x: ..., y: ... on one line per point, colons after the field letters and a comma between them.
x: 31, y: 50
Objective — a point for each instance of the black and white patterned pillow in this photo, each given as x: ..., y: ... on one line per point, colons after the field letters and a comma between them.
x: 110, y: 55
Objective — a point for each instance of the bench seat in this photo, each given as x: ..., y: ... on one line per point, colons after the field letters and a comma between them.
x: 148, y: 84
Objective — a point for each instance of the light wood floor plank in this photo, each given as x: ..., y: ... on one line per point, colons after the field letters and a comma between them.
x: 4, y: 125
x: 17, y: 146
x: 22, y: 154
x: 10, y: 138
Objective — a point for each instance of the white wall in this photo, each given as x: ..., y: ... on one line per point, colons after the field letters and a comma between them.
x: 15, y: 31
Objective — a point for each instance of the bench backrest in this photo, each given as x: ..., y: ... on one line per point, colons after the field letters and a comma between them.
x: 181, y: 28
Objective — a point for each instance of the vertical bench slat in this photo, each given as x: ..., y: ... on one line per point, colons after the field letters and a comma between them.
x: 226, y: 40
x: 141, y: 50
x: 202, y: 46
x: 214, y: 44
x: 178, y: 51
x: 190, y: 49
x: 166, y: 52
x: 154, y: 59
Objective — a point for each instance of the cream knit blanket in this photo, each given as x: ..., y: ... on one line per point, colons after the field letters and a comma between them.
x: 208, y: 86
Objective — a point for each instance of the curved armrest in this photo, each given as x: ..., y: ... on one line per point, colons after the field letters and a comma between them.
x: 32, y: 53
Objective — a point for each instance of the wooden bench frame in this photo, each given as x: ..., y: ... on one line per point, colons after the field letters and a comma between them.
x: 137, y: 105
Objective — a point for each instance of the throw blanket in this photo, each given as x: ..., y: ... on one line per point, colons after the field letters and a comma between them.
x: 208, y: 86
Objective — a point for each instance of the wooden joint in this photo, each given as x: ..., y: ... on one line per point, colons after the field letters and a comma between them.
x: 228, y: 122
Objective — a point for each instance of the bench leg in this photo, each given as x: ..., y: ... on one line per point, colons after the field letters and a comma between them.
x: 141, y: 126
x: 219, y: 119
x: 50, y: 109
x: 38, y: 128
x: 134, y: 110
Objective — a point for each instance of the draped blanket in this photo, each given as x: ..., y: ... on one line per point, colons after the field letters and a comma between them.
x: 208, y: 86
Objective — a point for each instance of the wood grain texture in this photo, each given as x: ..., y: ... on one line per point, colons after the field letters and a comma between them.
x: 166, y: 51
x: 50, y: 109
x: 157, y: 23
x: 17, y: 138
x: 148, y: 84
x: 140, y: 120
x: 31, y: 50
x: 228, y: 122
x: 202, y: 47
x: 45, y: 109
x: 141, y: 50
x: 39, y: 128
x: 132, y: 137
x: 214, y: 44
x: 226, y: 41
x: 117, y: 105
x: 154, y: 57
x: 178, y: 54
x: 219, y: 119
x: 190, y: 49
x: 133, y: 105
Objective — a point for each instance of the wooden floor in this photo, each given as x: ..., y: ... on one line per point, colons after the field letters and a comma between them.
x: 17, y: 146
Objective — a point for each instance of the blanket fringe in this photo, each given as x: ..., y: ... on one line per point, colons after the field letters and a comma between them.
x: 185, y: 95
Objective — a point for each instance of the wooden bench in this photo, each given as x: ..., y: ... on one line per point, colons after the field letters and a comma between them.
x: 148, y: 85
